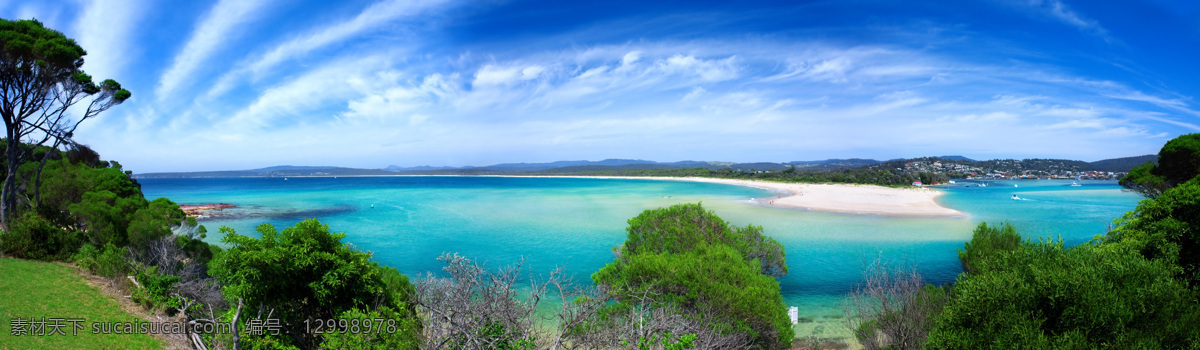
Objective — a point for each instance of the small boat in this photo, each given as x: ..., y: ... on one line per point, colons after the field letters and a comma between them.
x: 1014, y: 185
x: 1014, y: 197
x: 951, y: 182
x: 1075, y: 184
x: 983, y: 184
x: 285, y: 179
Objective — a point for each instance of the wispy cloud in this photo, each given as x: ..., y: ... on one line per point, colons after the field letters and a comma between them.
x: 456, y: 89
x: 104, y: 29
x: 1059, y: 11
x: 371, y: 18
x: 216, y: 29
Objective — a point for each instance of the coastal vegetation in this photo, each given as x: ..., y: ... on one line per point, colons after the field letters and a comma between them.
x: 686, y: 260
x: 1134, y: 287
x: 305, y: 273
x: 41, y: 79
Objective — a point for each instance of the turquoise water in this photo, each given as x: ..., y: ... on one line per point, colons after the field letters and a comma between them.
x: 574, y: 222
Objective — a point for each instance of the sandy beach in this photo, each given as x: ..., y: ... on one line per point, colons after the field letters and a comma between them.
x: 846, y: 198
x: 842, y: 198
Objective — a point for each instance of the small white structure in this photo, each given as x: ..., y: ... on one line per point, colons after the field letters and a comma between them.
x: 794, y: 314
x: 917, y: 183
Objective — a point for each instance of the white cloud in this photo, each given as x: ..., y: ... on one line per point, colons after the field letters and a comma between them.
x: 373, y: 17
x: 401, y: 102
x: 708, y: 70
x: 532, y: 72
x: 217, y: 28
x: 492, y: 75
x: 104, y: 29
x: 1059, y: 11
x: 302, y: 97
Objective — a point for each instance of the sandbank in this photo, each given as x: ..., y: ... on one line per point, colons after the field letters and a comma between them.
x: 842, y: 198
x: 848, y: 198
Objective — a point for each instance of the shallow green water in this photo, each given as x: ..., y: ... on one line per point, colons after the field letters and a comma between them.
x: 408, y: 221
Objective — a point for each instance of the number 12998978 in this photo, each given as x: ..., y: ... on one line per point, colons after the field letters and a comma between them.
x: 352, y: 326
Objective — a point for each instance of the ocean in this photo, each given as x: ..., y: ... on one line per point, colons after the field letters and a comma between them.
x: 407, y: 222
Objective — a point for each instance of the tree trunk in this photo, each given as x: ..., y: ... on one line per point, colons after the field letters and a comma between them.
x: 8, y: 194
x: 37, y: 185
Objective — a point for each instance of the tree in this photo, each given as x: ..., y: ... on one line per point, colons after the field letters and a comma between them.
x: 1178, y: 162
x: 1166, y: 228
x: 1179, y: 159
x: 305, y: 272
x: 985, y: 243
x: 1042, y: 295
x: 687, y: 260
x: 1143, y: 181
x: 40, y: 80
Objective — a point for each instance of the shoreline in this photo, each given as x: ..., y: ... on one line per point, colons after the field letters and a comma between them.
x: 837, y: 198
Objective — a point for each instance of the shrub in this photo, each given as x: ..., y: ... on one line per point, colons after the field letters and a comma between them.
x: 108, y: 262
x: 986, y: 243
x: 156, y: 289
x: 1043, y: 296
x: 687, y: 259
x: 1166, y: 228
x: 304, y: 272
x: 398, y: 330
x: 34, y: 237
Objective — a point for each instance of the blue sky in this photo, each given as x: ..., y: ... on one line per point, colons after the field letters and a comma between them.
x: 239, y: 84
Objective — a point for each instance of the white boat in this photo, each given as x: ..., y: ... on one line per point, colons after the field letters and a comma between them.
x: 984, y: 184
x: 1075, y: 184
x: 1014, y: 197
x: 1014, y: 185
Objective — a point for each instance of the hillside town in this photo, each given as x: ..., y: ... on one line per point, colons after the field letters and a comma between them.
x: 1010, y: 169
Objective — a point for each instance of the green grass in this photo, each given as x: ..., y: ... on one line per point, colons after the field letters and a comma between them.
x: 39, y: 289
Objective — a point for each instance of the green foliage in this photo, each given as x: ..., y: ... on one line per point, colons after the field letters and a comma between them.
x: 684, y: 227
x: 107, y: 262
x: 34, y: 237
x: 156, y: 289
x: 154, y: 221
x: 105, y: 216
x: 1143, y: 181
x: 666, y: 342
x: 1178, y: 162
x: 1166, y: 228
x: 497, y: 336
x: 1179, y: 159
x: 689, y: 258
x: 305, y: 272
x: 42, y: 80
x: 986, y: 242
x: 28, y: 44
x: 1043, y: 296
x: 402, y: 334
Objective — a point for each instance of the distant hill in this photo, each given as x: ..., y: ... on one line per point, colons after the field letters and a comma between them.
x: 760, y: 166
x: 417, y: 168
x: 276, y: 171
x: 562, y: 164
x: 624, y: 167
x: 584, y: 166
x: 830, y: 164
x: 1123, y: 164
x: 959, y: 158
